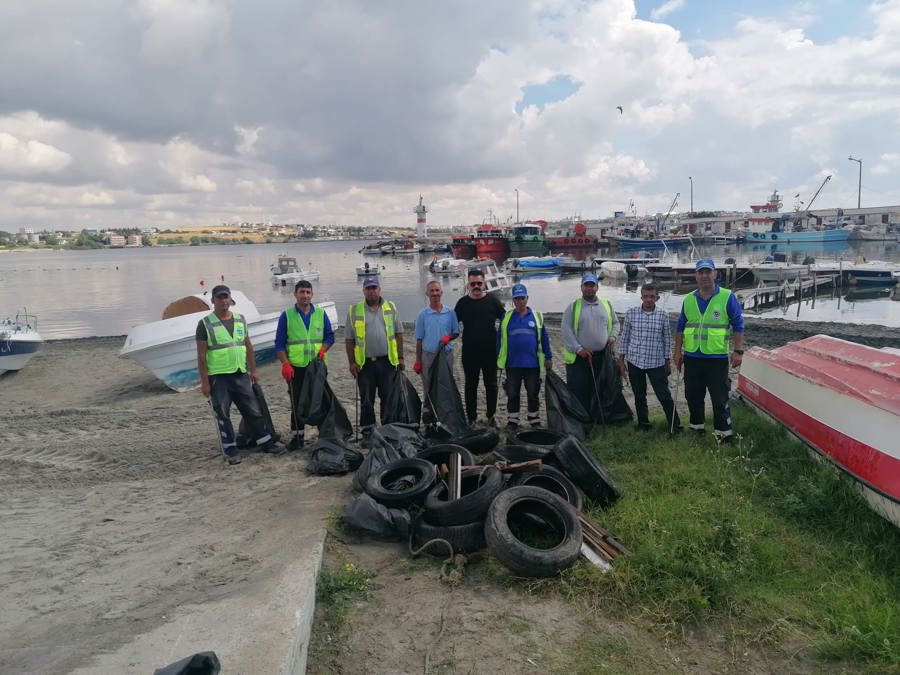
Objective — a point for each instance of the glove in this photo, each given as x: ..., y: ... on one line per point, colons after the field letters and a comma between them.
x: 445, y: 340
x: 322, y: 353
x: 287, y: 371
x: 417, y: 367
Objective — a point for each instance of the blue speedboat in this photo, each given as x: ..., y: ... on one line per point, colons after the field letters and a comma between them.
x: 19, y: 342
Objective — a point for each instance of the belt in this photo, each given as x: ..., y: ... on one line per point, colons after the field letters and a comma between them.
x: 376, y: 358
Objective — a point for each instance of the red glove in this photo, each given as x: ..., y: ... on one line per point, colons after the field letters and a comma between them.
x: 287, y: 371
x: 417, y: 367
x: 322, y: 352
x: 445, y: 340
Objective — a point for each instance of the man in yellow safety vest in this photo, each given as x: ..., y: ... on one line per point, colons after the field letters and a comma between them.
x: 227, y: 367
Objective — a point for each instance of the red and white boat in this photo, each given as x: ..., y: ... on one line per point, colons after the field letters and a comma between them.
x: 843, y: 400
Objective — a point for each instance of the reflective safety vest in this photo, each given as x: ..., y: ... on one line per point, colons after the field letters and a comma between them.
x: 708, y: 332
x: 303, y: 345
x: 225, y: 352
x: 389, y: 314
x: 569, y: 357
x: 504, y: 338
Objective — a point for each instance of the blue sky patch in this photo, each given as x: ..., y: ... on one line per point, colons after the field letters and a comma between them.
x: 559, y: 88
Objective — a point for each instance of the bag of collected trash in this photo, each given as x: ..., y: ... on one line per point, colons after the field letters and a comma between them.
x: 612, y: 406
x: 201, y: 663
x: 442, y: 398
x: 364, y: 513
x: 565, y: 413
x: 244, y: 438
x: 319, y: 406
x: 388, y: 443
x: 330, y: 457
x: 402, y: 403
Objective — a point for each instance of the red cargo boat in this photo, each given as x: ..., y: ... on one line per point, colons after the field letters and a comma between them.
x: 491, y: 241
x: 462, y: 246
x: 577, y: 237
x: 840, y: 398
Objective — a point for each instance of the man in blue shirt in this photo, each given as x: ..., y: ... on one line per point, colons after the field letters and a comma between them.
x: 645, y: 353
x: 436, y: 326
x: 523, y: 347
x: 710, y: 319
x: 304, y: 333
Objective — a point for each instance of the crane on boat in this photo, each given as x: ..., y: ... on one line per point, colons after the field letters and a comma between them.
x: 809, y: 205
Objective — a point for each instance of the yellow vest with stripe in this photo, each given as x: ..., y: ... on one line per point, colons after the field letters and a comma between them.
x: 708, y: 332
x: 303, y: 345
x: 389, y: 314
x: 225, y: 352
x: 569, y: 357
x: 504, y: 338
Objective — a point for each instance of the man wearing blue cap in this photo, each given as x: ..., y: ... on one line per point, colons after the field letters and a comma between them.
x: 710, y: 318
x: 523, y: 348
x: 589, y: 328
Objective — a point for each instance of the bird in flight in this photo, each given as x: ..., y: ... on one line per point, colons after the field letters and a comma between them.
x: 619, y: 108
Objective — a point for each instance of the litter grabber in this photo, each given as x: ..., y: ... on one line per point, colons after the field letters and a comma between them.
x: 590, y: 360
x: 222, y: 433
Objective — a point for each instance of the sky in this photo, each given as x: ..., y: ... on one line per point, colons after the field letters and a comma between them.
x: 138, y: 113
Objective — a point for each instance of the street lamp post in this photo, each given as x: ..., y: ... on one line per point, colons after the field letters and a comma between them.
x: 859, y: 189
x: 517, y: 205
x: 691, y: 178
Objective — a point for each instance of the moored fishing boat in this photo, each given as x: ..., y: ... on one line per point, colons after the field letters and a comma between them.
x: 286, y: 272
x: 840, y: 398
x: 491, y: 241
x: 19, y: 341
x: 563, y: 237
x: 527, y: 239
x: 462, y: 246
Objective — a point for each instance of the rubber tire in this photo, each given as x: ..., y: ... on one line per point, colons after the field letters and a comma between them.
x: 478, y: 441
x: 425, y: 472
x: 535, y: 438
x: 440, y: 454
x: 517, y: 453
x: 519, y: 557
x: 586, y: 471
x: 553, y: 480
x: 472, y: 505
x: 465, y: 538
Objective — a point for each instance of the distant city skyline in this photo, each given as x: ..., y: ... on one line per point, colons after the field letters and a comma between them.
x: 140, y: 113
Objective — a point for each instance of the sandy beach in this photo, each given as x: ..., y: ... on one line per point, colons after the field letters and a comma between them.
x: 118, y: 509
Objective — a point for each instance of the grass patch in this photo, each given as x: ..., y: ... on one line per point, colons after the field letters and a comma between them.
x: 338, y: 589
x: 755, y: 532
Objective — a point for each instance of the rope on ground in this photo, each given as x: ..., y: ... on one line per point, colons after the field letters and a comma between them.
x: 457, y: 561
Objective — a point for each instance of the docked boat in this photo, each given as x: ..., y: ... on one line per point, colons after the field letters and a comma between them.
x: 771, y: 271
x: 286, y: 272
x: 19, y: 341
x: 167, y: 348
x: 797, y: 236
x: 613, y: 269
x: 444, y: 265
x: 840, y: 398
x: 873, y: 273
x: 406, y: 247
x: 367, y: 270
x: 534, y: 263
x: 527, y: 239
x: 462, y: 246
x: 561, y: 238
x: 651, y: 241
x: 491, y: 241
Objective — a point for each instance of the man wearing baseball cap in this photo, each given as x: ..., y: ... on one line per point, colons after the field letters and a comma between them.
x: 374, y: 343
x: 227, y: 367
x: 523, y: 349
x: 710, y: 319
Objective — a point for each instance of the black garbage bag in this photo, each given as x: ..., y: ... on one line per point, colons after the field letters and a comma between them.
x: 402, y: 403
x: 612, y: 406
x: 565, y: 413
x: 331, y: 457
x: 319, y: 406
x: 443, y: 399
x: 244, y: 437
x: 387, y: 443
x: 201, y: 663
x: 364, y: 513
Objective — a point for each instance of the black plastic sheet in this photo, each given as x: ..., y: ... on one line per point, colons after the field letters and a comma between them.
x: 319, y: 406
x: 565, y: 413
x: 402, y: 403
x: 201, y: 663
x: 612, y: 406
x: 331, y: 457
x: 364, y: 513
x: 444, y: 399
x: 244, y: 438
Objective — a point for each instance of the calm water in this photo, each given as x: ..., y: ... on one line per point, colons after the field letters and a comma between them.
x: 106, y: 292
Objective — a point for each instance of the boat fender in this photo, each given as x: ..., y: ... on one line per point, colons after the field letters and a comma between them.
x: 774, y: 237
x: 756, y: 235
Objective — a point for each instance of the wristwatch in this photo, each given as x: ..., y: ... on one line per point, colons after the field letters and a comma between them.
x: 739, y: 351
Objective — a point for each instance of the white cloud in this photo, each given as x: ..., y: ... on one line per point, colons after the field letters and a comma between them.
x: 666, y: 8
x: 19, y: 158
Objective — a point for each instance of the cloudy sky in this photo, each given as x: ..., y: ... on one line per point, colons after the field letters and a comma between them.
x: 197, y: 112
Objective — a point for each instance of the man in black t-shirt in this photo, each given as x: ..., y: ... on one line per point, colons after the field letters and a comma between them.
x: 478, y: 312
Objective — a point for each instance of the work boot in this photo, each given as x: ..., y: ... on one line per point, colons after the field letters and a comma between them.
x: 273, y: 448
x: 296, y: 443
x: 232, y: 458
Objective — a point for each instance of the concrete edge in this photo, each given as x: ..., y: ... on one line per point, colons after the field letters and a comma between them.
x: 294, y: 662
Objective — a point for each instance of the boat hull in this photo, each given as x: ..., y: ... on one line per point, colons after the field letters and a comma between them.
x: 463, y: 251
x: 526, y: 247
x: 838, y: 398
x: 16, y: 353
x: 651, y: 244
x: 583, y: 242
x: 797, y: 237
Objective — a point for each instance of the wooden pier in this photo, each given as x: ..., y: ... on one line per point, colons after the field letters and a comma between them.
x: 782, y: 294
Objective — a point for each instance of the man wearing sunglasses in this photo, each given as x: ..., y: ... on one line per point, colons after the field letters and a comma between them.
x: 479, y: 312
x: 227, y: 368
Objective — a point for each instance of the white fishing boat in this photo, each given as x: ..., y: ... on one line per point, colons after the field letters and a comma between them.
x: 444, y: 265
x: 367, y: 270
x: 286, y: 272
x: 770, y: 271
x: 613, y: 269
x: 168, y: 348
x: 19, y: 341
x: 840, y: 398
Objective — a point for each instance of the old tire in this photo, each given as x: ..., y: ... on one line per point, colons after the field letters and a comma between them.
x: 586, y: 471
x: 479, y: 487
x: 537, y: 439
x: 465, y: 538
x: 478, y: 441
x: 526, y: 503
x: 553, y: 480
x: 402, y: 482
x: 440, y: 454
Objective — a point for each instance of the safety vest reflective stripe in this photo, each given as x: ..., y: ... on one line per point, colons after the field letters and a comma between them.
x: 389, y: 315
x: 226, y: 352
x: 707, y: 333
x: 505, y: 333
x: 303, y: 344
x: 569, y: 357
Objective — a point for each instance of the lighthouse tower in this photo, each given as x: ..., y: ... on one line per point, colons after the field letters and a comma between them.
x: 420, y: 211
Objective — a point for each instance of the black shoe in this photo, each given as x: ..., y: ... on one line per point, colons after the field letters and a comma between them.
x: 295, y: 444
x: 273, y: 448
x: 643, y: 427
x: 232, y: 459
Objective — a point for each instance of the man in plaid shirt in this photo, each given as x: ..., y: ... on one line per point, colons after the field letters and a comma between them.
x: 647, y: 347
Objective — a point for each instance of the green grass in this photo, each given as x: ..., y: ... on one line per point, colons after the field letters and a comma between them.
x: 755, y: 533
x: 338, y: 589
